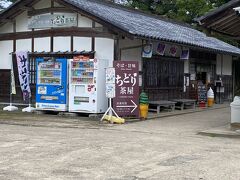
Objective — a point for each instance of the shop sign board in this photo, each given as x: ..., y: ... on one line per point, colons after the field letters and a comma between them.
x: 52, y: 21
x: 147, y: 51
x: 126, y: 101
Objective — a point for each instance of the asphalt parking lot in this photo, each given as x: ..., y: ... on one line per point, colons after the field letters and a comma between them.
x: 52, y: 147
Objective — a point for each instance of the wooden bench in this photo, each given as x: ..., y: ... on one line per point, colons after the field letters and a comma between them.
x: 185, y: 102
x: 158, y: 104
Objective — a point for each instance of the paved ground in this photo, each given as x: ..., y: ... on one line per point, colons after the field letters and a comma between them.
x: 50, y: 147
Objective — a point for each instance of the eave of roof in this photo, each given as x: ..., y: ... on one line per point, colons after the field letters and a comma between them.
x: 144, y: 26
x: 136, y: 24
x: 217, y: 10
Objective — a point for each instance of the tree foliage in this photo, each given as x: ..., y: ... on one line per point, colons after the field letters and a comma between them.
x: 183, y: 10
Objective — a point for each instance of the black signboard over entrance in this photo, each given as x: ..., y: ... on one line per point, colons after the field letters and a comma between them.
x: 126, y: 101
x: 202, y: 92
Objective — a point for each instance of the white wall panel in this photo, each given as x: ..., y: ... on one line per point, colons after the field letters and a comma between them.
x: 104, y: 48
x: 84, y: 22
x: 224, y: 65
x: 24, y: 45
x: 98, y: 25
x: 82, y: 43
x: 22, y: 22
x: 186, y: 66
x: 6, y: 28
x: 218, y: 65
x: 42, y: 44
x: 6, y: 47
x: 61, y: 44
x: 57, y: 5
x: 132, y: 54
x: 43, y: 4
x: 123, y: 43
x: 227, y: 65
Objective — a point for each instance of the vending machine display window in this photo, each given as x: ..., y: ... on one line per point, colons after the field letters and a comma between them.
x: 82, y: 72
x: 49, y: 73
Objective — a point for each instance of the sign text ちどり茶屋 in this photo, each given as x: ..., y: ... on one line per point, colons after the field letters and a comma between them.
x: 127, y: 88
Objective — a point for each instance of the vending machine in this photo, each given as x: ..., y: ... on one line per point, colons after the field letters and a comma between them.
x: 87, y: 85
x: 51, y: 84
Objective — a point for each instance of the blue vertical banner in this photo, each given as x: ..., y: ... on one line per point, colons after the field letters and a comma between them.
x: 185, y: 54
x: 161, y: 49
x: 23, y: 74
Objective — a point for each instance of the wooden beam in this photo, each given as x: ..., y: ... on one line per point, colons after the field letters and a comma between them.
x: 226, y: 23
x: 48, y: 10
x: 207, y: 22
x: 93, y: 38
x: 6, y: 20
x: 224, y: 19
x: 236, y: 31
x: 81, y: 32
x: 26, y: 8
x: 229, y: 28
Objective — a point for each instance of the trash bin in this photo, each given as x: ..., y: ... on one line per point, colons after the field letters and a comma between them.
x: 235, y: 110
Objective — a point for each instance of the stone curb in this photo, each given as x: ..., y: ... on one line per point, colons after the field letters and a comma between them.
x: 175, y: 114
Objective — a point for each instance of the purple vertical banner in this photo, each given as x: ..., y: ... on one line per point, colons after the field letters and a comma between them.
x: 23, y: 74
x: 126, y: 102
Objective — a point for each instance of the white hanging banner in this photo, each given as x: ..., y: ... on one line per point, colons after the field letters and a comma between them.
x: 110, y: 82
x: 13, y: 86
x: 23, y: 73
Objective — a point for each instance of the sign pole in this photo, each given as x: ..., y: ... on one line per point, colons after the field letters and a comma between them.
x: 110, y: 93
x: 29, y: 108
x: 110, y: 111
x: 12, y: 91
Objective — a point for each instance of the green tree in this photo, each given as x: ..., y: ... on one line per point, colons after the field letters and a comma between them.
x: 183, y: 10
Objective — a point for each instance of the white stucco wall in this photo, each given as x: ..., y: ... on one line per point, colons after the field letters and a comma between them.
x: 84, y: 22
x: 6, y: 47
x: 186, y: 66
x: 82, y: 43
x: 224, y: 64
x: 98, y: 25
x: 62, y: 44
x: 131, y: 54
x: 227, y: 65
x: 42, y: 44
x: 6, y: 28
x: 127, y: 52
x: 43, y: 4
x: 22, y: 22
x: 24, y: 45
x: 57, y: 5
x: 104, y: 48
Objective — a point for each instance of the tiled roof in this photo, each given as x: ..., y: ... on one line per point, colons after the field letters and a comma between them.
x: 145, y: 26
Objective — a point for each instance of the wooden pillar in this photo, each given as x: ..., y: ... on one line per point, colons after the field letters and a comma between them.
x: 52, y: 39
x: 93, y: 38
